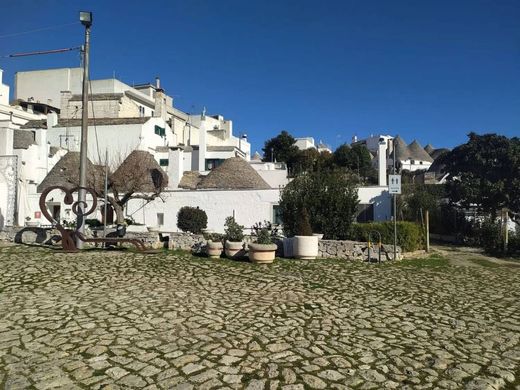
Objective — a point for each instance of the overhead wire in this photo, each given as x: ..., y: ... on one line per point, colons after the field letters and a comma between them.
x: 40, y: 52
x: 37, y: 30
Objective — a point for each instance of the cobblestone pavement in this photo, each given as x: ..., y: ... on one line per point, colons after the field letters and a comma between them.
x: 122, y: 320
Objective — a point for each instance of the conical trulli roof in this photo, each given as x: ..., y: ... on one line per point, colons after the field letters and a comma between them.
x: 66, y: 173
x: 190, y: 180
x: 418, y: 153
x: 257, y: 157
x: 429, y: 149
x: 439, y: 152
x: 403, y: 153
x: 234, y: 173
x: 139, y: 172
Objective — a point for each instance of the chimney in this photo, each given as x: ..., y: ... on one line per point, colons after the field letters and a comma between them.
x: 202, y: 141
x: 160, y: 105
x: 157, y: 82
x: 52, y: 119
x: 354, y: 139
x: 64, y: 103
x: 381, y: 162
x: 175, y: 167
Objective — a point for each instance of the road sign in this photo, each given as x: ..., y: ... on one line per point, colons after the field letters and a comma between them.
x: 394, y: 184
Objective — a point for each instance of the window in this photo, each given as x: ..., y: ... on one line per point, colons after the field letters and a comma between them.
x: 163, y: 162
x: 161, y: 131
x: 277, y: 215
x: 141, y: 111
x: 212, y: 163
x: 160, y: 219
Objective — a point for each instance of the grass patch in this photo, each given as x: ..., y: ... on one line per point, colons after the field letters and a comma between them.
x: 485, y: 263
x: 434, y: 261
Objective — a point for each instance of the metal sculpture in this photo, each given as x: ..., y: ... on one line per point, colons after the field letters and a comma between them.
x: 68, y: 236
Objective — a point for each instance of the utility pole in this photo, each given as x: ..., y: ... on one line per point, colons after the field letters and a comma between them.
x: 395, y: 203
x: 86, y: 20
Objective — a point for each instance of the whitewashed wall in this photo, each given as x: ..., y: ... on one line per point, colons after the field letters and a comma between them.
x: 119, y: 140
x: 380, y: 198
x: 249, y: 207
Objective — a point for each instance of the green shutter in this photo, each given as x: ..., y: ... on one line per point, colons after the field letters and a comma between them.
x: 161, y: 131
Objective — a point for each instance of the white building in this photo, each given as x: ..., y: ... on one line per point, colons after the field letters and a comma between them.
x: 25, y: 156
x: 412, y: 157
x: 125, y: 117
x: 236, y: 189
x: 193, y: 150
x: 304, y: 143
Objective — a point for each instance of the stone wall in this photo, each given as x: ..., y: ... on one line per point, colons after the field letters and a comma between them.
x: 349, y: 250
x: 354, y: 250
x: 37, y: 235
x: 185, y: 241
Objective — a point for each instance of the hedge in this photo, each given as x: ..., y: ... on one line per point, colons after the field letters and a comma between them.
x: 410, y: 235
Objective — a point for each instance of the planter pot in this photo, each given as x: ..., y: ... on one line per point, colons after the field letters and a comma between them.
x: 288, y: 243
x: 319, y: 235
x: 234, y: 250
x: 305, y: 247
x: 262, y: 253
x: 32, y: 223
x: 214, y: 249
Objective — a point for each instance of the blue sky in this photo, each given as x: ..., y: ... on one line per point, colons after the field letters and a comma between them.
x: 431, y: 70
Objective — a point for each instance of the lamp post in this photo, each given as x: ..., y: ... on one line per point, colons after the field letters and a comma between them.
x: 86, y: 20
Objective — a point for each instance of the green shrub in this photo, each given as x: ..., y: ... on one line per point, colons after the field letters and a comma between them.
x: 93, y: 223
x: 192, y: 219
x: 265, y: 233
x: 303, y: 226
x: 410, y: 236
x: 233, y: 231
x: 330, y: 198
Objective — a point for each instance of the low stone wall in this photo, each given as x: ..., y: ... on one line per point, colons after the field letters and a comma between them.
x: 354, y: 250
x: 185, y: 241
x: 349, y: 250
x: 45, y: 236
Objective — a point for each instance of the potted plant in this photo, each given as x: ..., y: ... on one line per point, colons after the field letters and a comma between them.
x: 234, y: 234
x: 263, y: 250
x: 305, y: 245
x: 214, y: 245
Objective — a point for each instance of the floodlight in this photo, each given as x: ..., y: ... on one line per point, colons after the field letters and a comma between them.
x: 85, y: 17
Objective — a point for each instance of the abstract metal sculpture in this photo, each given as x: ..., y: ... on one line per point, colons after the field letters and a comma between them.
x: 68, y: 236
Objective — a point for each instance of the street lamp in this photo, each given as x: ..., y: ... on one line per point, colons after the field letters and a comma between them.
x: 85, y: 18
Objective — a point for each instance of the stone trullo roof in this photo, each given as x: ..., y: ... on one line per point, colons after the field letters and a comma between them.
x: 140, y: 172
x: 234, y: 173
x: 190, y: 180
x: 403, y: 153
x: 429, y: 149
x: 66, y: 173
x: 418, y: 153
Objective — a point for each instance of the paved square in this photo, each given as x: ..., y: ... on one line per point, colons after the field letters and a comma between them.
x: 122, y: 320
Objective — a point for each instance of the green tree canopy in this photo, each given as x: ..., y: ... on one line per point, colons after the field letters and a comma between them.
x: 356, y: 159
x: 330, y: 197
x: 280, y: 148
x: 485, y: 172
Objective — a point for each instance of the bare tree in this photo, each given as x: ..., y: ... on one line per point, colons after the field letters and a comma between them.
x: 138, y: 176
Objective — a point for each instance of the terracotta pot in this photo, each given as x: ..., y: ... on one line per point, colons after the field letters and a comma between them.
x: 262, y: 253
x: 305, y: 247
x: 234, y: 249
x: 214, y: 249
